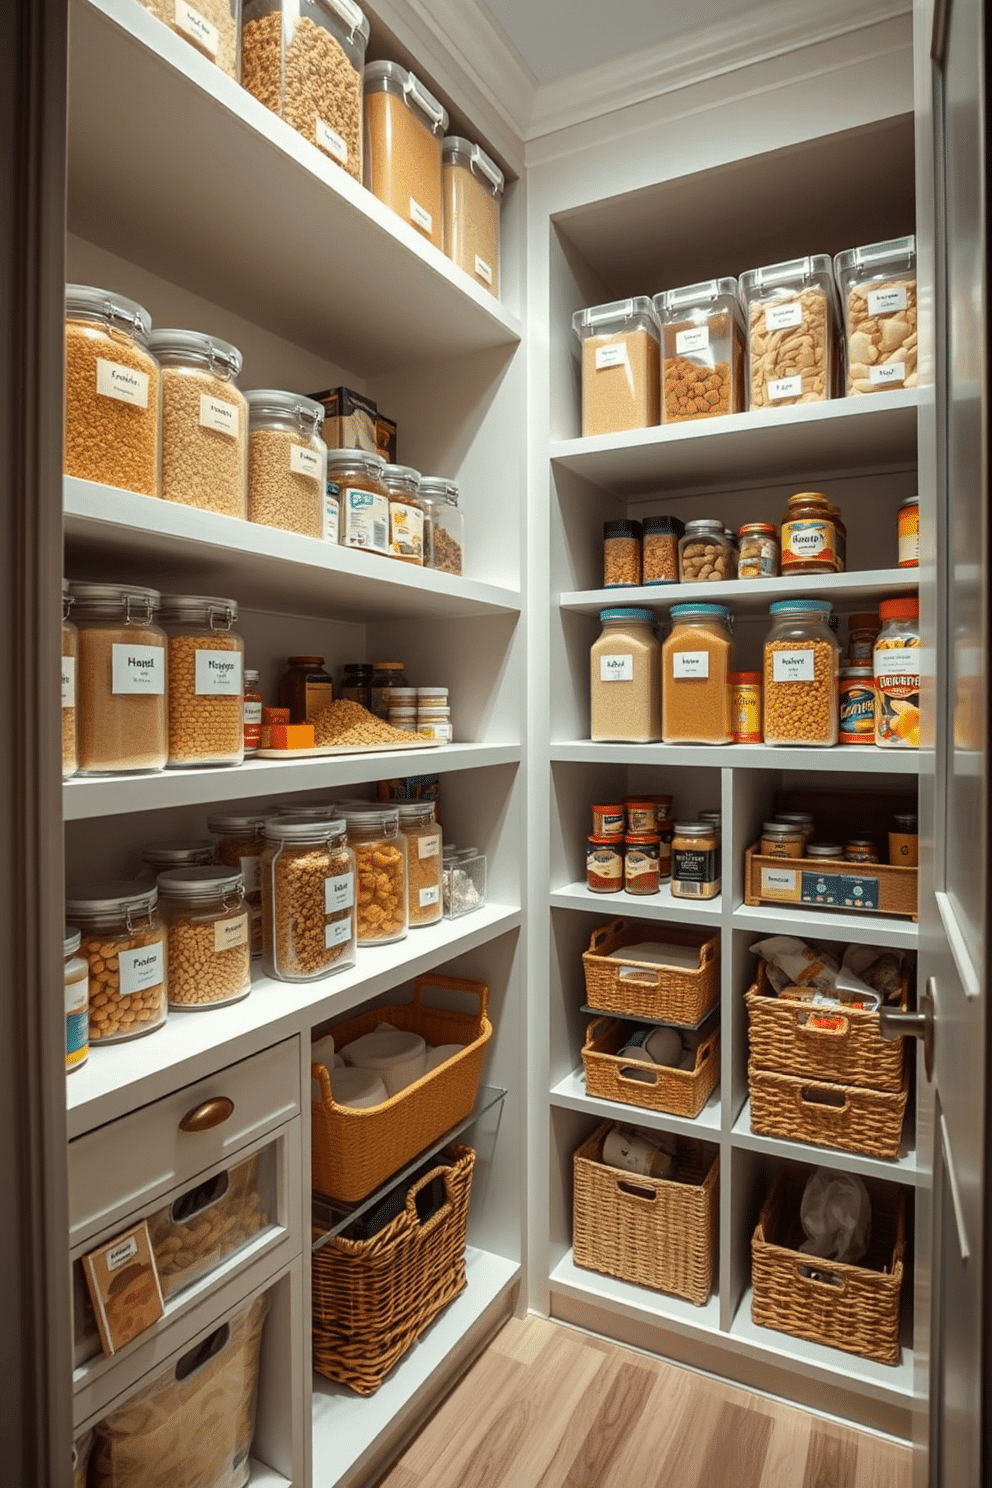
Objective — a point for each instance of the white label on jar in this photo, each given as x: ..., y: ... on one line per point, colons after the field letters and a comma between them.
x: 305, y: 462
x: 366, y: 521
x: 899, y: 661
x: 421, y: 216
x: 229, y: 934
x: 123, y: 383
x: 250, y: 874
x: 253, y: 714
x: 428, y: 847
x: 406, y: 525
x: 223, y: 418
x: 218, y: 674
x: 784, y: 387
x: 328, y: 139
x: 68, y: 681
x: 781, y: 317
x: 337, y: 932
x: 339, y: 893
x: 887, y: 301
x: 779, y: 881
x: 429, y: 896
x: 440, y: 732
x: 483, y: 269
x: 691, y: 664
x: 77, y: 995
x: 119, y: 1255
x: 794, y: 666
x: 686, y: 342
x: 887, y: 372
x: 806, y: 538
x: 332, y: 517
x: 616, y: 669
x: 197, y: 27
x: 614, y: 354
x: 141, y: 969
x: 138, y: 669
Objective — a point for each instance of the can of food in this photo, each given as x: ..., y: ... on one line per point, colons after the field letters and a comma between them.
x: 860, y: 850
x: 857, y: 706
x: 745, y: 703
x: 608, y: 820
x: 908, y: 526
x: 604, y: 864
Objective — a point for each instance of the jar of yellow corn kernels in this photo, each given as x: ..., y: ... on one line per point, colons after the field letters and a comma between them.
x: 801, y: 674
x: 897, y: 675
x: 205, y: 686
x: 208, y: 936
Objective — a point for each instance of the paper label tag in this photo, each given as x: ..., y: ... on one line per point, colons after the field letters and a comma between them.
x: 616, y: 669
x: 305, y: 462
x: 122, y: 1280
x: 197, y: 27
x: 138, y: 669
x: 784, y: 387
x: 780, y: 883
x: 612, y: 355
x: 888, y: 372
x: 366, y: 521
x: 328, y: 139
x: 428, y: 847
x: 337, y: 932
x: 253, y: 714
x: 119, y: 1255
x: 123, y: 383
x: 794, y: 666
x: 218, y: 674
x: 141, y: 969
x: 887, y: 301
x: 339, y: 893
x: 223, y: 418
x: 686, y: 342
x: 421, y: 216
x: 691, y: 664
x: 249, y: 871
x: 77, y: 996
x: 897, y: 666
x: 332, y: 517
x: 68, y: 681
x: 781, y: 317
x: 483, y: 270
x: 228, y: 934
x: 429, y: 896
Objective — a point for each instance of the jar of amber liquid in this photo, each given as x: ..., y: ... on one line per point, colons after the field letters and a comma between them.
x: 305, y: 689
x: 782, y: 840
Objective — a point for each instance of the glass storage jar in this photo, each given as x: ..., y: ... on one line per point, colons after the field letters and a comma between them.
x: 206, y: 703
x: 782, y: 840
x: 239, y: 847
x: 791, y: 313
x: 121, y: 718
x: 406, y: 513
x: 387, y: 676
x: 621, y: 554
x: 758, y: 555
x: 424, y: 850
x: 304, y: 59
x: 473, y: 191
x: 625, y: 678
x: 702, y: 351
x: 213, y: 27
x: 305, y: 689
x: 307, y: 877
x: 70, y: 650
x: 814, y: 539
x: 878, y: 299
x: 287, y: 461
x: 705, y: 554
x: 381, y: 868
x: 112, y: 427
x: 356, y: 686
x: 158, y: 856
x: 404, y: 128
x: 697, y: 660
x: 364, y: 499
x: 802, y: 670
x: 204, y: 422
x: 695, y: 860
x: 445, y: 551
x: 897, y: 675
x: 803, y: 819
x: 620, y: 365
x: 123, y: 944
x: 208, y: 936
x: 77, y: 1000
x: 862, y: 632
x: 252, y: 707
x: 660, y: 549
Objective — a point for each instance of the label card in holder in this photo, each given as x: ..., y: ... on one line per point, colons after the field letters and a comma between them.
x: 427, y: 847
x: 483, y: 270
x: 218, y: 674
x: 305, y: 462
x: 125, y: 384
x: 691, y: 664
x: 336, y: 933
x: 888, y: 300
x: 421, y: 216
x: 68, y: 681
x: 784, y: 387
x: 229, y: 934
x: 197, y: 27
x: 141, y: 969
x: 794, y: 666
x: 698, y: 339
x: 429, y: 896
x: 138, y: 669
x: 123, y: 1284
x: 339, y: 893
x: 616, y: 669
x: 782, y: 317
x: 223, y: 418
x: 614, y: 354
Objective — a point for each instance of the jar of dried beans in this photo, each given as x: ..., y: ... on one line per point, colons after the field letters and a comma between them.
x: 473, y: 190
x: 702, y: 351
x: 404, y: 129
x: 204, y: 422
x: 620, y: 365
x: 660, y: 549
x: 801, y: 675
x: 878, y: 296
x: 213, y: 27
x: 206, y: 706
x: 124, y: 945
x: 445, y: 550
x: 625, y: 678
x: 70, y: 647
x: 239, y: 842
x: 897, y: 675
x: 307, y: 878
x: 406, y: 513
x: 364, y: 499
x: 208, y: 936
x: 423, y: 848
x: 287, y: 461
x: 77, y: 999
x: 791, y: 326
x: 621, y: 554
x: 381, y: 868
x: 697, y: 662
x: 121, y: 722
x: 705, y: 552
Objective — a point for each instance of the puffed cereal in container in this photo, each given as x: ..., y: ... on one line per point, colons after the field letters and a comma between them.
x: 287, y: 461
x: 204, y: 422
x: 801, y: 675
x: 702, y: 351
x: 307, y: 877
x: 620, y: 362
x: 473, y: 191
x: 124, y: 945
x: 208, y: 936
x: 380, y: 850
x: 240, y: 837
x: 897, y: 675
x: 792, y: 317
x: 878, y: 296
x: 213, y: 27
x: 77, y: 1000
x: 404, y: 128
x: 424, y: 852
x: 206, y: 705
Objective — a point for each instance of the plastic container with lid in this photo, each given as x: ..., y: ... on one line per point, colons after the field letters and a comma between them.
x: 791, y: 311
x: 205, y: 692
x: 621, y: 554
x: 364, y: 499
x: 239, y: 841
x: 308, y: 887
x: 897, y: 675
x: 758, y: 551
x: 702, y: 350
x: 625, y: 678
x: 801, y: 675
x: 660, y: 549
x: 204, y: 422
x: 877, y: 287
x: 213, y: 27
x: 404, y: 129
x: 473, y: 191
x: 445, y: 549
x: 304, y: 59
x: 156, y: 857
x: 252, y: 701
x: 121, y: 716
x: 70, y: 651
x: 464, y: 882
x: 620, y: 365
x: 287, y: 461
x: 697, y: 661
x: 695, y: 860
x: 814, y: 538
x: 305, y: 689
x: 387, y: 676
x: 380, y: 850
x: 124, y: 945
x: 112, y: 391
x: 406, y: 513
x: 862, y: 631
x: 418, y: 824
x: 77, y: 997
x: 706, y: 554
x: 208, y: 935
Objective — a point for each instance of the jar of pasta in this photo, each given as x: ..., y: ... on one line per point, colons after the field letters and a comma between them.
x: 287, y: 461
x: 207, y: 935
x: 123, y: 944
x: 801, y: 675
x: 897, y: 675
x: 625, y: 678
x: 70, y: 647
x: 791, y: 313
x: 121, y: 719
x: 697, y: 662
x: 239, y: 841
x: 423, y: 849
x: 307, y: 880
x: 406, y: 513
x: 77, y: 998
x: 380, y: 850
x: 364, y: 499
x: 206, y: 702
x: 695, y: 861
x: 878, y: 294
x: 204, y: 422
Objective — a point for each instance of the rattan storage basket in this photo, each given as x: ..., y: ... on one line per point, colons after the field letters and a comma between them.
x: 856, y: 1308
x: 373, y: 1298
x: 844, y: 1116
x: 654, y: 1232
x: 354, y: 1151
x: 641, y: 989
x: 655, y: 1087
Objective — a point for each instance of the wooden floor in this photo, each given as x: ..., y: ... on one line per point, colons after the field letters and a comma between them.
x: 548, y: 1407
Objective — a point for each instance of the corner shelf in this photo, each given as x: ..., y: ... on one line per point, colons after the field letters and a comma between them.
x: 570, y: 1095
x: 637, y: 1303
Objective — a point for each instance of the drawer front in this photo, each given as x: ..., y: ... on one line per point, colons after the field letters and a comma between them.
x: 123, y: 1167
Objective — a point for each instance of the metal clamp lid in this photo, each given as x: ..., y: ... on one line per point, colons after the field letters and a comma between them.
x: 233, y: 821
x: 177, y: 852
x: 111, y: 897
x: 401, y: 475
x: 351, y: 459
x: 127, y: 314
x: 201, y: 883
x: 221, y: 355
x: 279, y: 402
x: 137, y: 603
x: 439, y: 488
x: 299, y: 830
x: 387, y: 817
x: 219, y: 614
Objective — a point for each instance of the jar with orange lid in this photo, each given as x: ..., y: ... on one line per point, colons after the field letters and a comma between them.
x: 897, y: 675
x: 641, y: 874
x: 745, y: 705
x: 641, y: 815
x: 758, y: 555
x: 814, y: 538
x: 862, y: 632
x: 608, y: 819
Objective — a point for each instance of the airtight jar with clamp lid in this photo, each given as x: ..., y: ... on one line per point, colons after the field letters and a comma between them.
x: 121, y: 719
x: 204, y: 422
x: 801, y: 675
x: 424, y: 853
x: 406, y: 513
x: 307, y: 876
x: 381, y: 873
x: 404, y: 128
x: 206, y: 703
x: 124, y: 945
x: 364, y: 499
x: 208, y: 936
x: 70, y: 648
x: 444, y: 547
x: 156, y: 857
x: 473, y: 190
x: 625, y: 678
x: 239, y: 848
x: 287, y: 461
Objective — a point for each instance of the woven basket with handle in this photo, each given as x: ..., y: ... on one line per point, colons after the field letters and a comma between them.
x: 641, y: 1082
x: 641, y: 989
x: 844, y: 1116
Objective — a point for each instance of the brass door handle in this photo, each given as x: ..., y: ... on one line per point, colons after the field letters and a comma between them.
x: 212, y: 1113
x: 894, y: 1024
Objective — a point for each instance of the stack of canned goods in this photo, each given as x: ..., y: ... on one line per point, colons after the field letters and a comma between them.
x: 630, y: 847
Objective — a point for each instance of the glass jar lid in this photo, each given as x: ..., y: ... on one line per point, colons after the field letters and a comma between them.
x: 294, y: 830
x: 322, y: 811
x: 824, y: 850
x: 627, y: 612
x: 219, y: 355
x: 106, y: 897
x: 663, y: 524
x: 805, y: 818
x: 370, y: 464
x: 439, y: 488
x: 416, y: 811
x: 700, y: 525
x: 199, y: 883
x: 368, y: 818
x: 684, y: 611
x: 130, y: 600
x: 279, y: 404
x: 73, y: 938
x: 170, y: 854
x: 857, y: 671
x: 234, y: 822
x: 219, y: 614
x: 106, y: 304
x: 458, y: 151
x: 390, y: 77
x: 401, y: 478
x: 694, y: 829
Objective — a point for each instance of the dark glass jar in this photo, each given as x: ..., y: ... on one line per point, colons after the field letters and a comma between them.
x: 305, y: 689
x: 386, y: 675
x: 660, y: 550
x: 356, y: 685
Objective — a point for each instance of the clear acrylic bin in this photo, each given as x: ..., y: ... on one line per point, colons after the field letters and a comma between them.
x: 878, y: 299
x: 702, y: 351
x: 791, y: 311
x: 463, y: 882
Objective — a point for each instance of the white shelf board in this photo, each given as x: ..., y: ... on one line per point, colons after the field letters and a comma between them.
x: 841, y: 759
x: 346, y: 1427
x: 660, y: 906
x: 266, y: 1477
x: 239, y: 208
x: 639, y: 1303
x: 846, y: 591
x: 189, y: 1046
x: 866, y: 929
x: 570, y: 1095
x: 167, y: 545
x: 116, y: 795
x: 843, y: 436
x: 902, y: 1170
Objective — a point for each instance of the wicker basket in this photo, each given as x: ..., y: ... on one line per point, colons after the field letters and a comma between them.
x: 373, y: 1298
x: 857, y: 1308
x: 356, y: 1150
x: 827, y: 1115
x: 655, y: 1232
x: 640, y: 989
x: 853, y: 1053
x: 655, y: 1087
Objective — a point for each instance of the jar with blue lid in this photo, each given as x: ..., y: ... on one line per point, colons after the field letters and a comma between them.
x: 625, y: 678
x: 802, y: 675
x: 697, y: 662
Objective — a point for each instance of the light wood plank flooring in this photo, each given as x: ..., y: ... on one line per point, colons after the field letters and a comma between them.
x: 545, y: 1406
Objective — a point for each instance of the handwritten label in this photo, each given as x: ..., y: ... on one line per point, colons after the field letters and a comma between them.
x: 887, y: 301
x: 305, y: 462
x: 123, y: 383
x: 141, y: 969
x: 698, y: 339
x: 784, y: 387
x: 197, y: 27
x: 119, y: 1255
x: 421, y: 216
x: 616, y: 669
x: 329, y: 140
x: 782, y: 317
x: 218, y: 674
x: 483, y: 270
x: 138, y: 669
x: 691, y: 664
x: 794, y: 666
x: 612, y: 355
x: 779, y: 881
x: 428, y: 847
x: 339, y: 893
x: 228, y: 934
x: 337, y: 933
x: 223, y: 418
x: 888, y: 372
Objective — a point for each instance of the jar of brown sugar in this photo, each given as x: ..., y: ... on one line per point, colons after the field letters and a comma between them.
x: 418, y: 825
x: 620, y: 365
x: 404, y: 130
x: 204, y: 422
x: 308, y: 886
x: 695, y: 863
x: 697, y: 660
x: 121, y: 718
x: 124, y: 945
x: 604, y: 864
x: 641, y: 870
x: 473, y: 190
x: 206, y: 702
x: 70, y: 647
x: 621, y: 554
x: 660, y: 549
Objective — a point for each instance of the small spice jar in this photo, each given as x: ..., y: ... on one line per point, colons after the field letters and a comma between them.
x: 660, y: 549
x: 908, y: 525
x: 287, y: 461
x: 697, y: 662
x: 621, y: 554
x: 860, y: 850
x: 308, y: 886
x: 609, y: 820
x: 70, y: 648
x: 705, y: 554
x: 206, y: 690
x: 424, y: 849
x: 825, y: 851
x: 404, y: 129
x: 178, y: 853
x: 666, y: 831
x: 802, y: 819
x: 239, y: 842
x: 121, y: 717
x: 208, y: 937
x: 305, y: 689
x: 625, y: 678
x: 435, y: 723
x: 897, y: 675
x: 252, y: 713
x: 406, y: 513
x: 620, y: 366
x: 801, y: 675
x: 364, y: 499
x: 641, y: 871
x: 640, y: 814
x: 695, y: 864
x: 381, y: 868
x: 387, y: 676
x: 862, y: 632
x: 445, y: 549
x: 856, y: 706
x: 904, y: 842
x: 604, y: 863
x: 758, y: 554
x: 356, y: 685
x: 814, y: 539
x: 204, y: 422
x: 473, y: 189
x: 745, y: 707
x: 77, y: 997
x: 781, y: 840
x: 123, y: 944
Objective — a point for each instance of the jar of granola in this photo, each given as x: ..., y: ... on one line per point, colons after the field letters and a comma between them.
x: 381, y: 869
x: 621, y: 554
x: 307, y: 880
x: 423, y: 849
x: 124, y: 945
x: 205, y: 686
x: 445, y: 551
x: 287, y: 461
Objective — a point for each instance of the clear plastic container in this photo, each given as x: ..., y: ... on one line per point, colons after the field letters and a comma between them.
x: 156, y: 857
x: 424, y: 852
x: 625, y: 678
x: 239, y: 847
x: 705, y: 553
x: 697, y: 663
x: 70, y: 653
x: 878, y: 299
x: 702, y: 351
x: 792, y: 320
x: 204, y: 422
x: 212, y: 1220
x: 121, y: 716
x: 304, y: 59
x: 213, y: 27
x: 112, y: 391
x: 620, y: 366
x: 208, y: 934
x: 407, y: 513
x: 473, y: 192
x: 77, y: 999
x: 660, y: 549
x: 802, y: 671
x: 897, y: 675
x: 364, y: 499
x: 621, y: 554
x: 308, y: 885
x: 206, y: 703
x: 445, y: 550
x: 404, y: 129
x: 123, y: 944
x: 381, y: 873
x: 287, y: 461
x: 463, y: 882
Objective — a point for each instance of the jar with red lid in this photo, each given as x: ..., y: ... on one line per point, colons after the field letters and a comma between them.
x: 641, y: 872
x: 758, y: 551
x: 608, y: 820
x: 604, y: 864
x: 641, y: 813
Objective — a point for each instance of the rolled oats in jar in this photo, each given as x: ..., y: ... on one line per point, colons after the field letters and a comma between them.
x: 801, y: 675
x: 70, y: 649
x: 124, y: 945
x: 204, y: 422
x: 287, y: 462
x: 380, y: 850
x: 208, y: 936
x: 424, y: 851
x: 897, y: 675
x: 240, y: 839
x: 364, y: 499
x: 206, y: 704
x: 121, y: 718
x: 77, y: 998
x: 307, y: 876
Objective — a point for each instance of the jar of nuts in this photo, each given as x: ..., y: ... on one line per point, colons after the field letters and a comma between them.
x: 208, y: 936
x: 204, y: 422
x: 705, y: 555
x: 121, y: 722
x: 445, y: 551
x: 287, y: 461
x: 660, y: 550
x: 621, y: 554
x: 381, y: 867
x: 239, y: 847
x: 878, y: 295
x: 791, y: 319
x: 423, y: 847
x: 801, y: 675
x: 307, y: 879
x: 124, y: 944
x: 206, y: 703
x: 70, y: 646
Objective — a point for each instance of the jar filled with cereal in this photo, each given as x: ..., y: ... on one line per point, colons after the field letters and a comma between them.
x: 123, y: 944
x: 121, y: 722
x: 70, y: 648
x: 287, y: 461
x: 380, y: 850
x: 423, y: 845
x: 204, y: 422
x: 307, y: 879
x: 208, y: 936
x: 239, y: 842
x: 897, y: 675
x: 705, y: 555
x: 801, y: 675
x: 206, y: 701
x: 660, y: 549
x: 621, y: 554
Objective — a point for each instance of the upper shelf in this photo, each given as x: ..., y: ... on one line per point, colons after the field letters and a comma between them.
x: 846, y: 591
x: 843, y: 436
x: 174, y: 165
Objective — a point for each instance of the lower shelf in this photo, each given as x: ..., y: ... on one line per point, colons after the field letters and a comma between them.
x: 623, y: 1297
x: 570, y: 1094
x: 266, y: 1477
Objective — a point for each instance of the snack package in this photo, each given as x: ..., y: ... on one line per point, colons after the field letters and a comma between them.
x: 793, y: 963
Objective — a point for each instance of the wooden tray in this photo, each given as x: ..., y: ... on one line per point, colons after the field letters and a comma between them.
x: 328, y: 749
x: 811, y: 883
